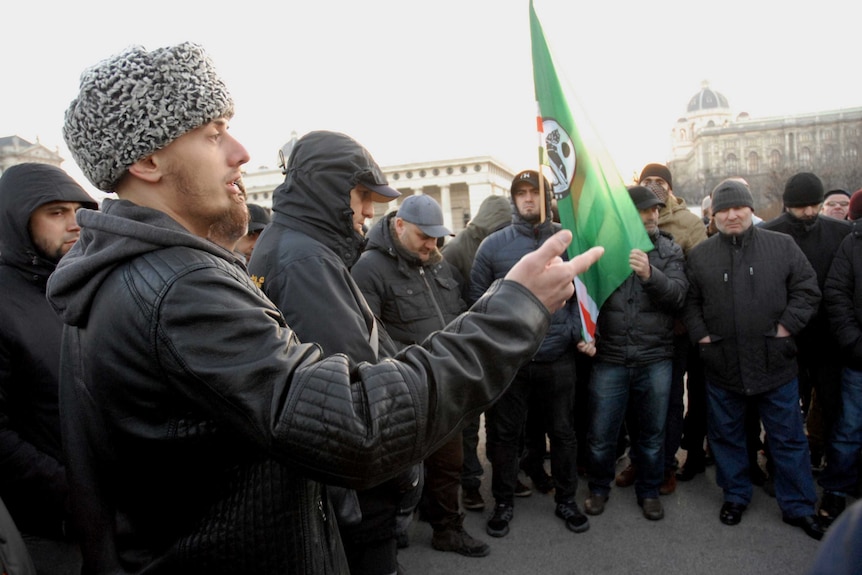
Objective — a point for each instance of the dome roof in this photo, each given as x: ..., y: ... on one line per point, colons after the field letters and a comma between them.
x: 707, y: 100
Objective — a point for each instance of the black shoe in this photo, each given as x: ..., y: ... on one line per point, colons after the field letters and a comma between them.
x: 472, y: 499
x: 595, y: 504
x: 459, y: 541
x: 652, y: 508
x: 521, y: 489
x: 731, y: 513
x: 689, y: 471
x: 498, y: 524
x: 575, y: 520
x: 831, y: 506
x: 543, y: 482
x: 809, y: 523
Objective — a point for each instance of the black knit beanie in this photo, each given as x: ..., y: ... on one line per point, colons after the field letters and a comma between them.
x: 803, y: 189
x: 731, y: 194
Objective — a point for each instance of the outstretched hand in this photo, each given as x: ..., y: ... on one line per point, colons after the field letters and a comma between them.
x: 544, y: 272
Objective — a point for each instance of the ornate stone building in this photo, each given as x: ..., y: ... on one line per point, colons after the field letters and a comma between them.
x: 16, y: 150
x: 710, y: 144
x: 459, y: 185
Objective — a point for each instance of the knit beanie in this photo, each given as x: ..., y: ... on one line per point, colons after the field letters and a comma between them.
x: 803, y: 189
x: 731, y: 194
x: 138, y: 102
x: 657, y: 170
x: 855, y: 206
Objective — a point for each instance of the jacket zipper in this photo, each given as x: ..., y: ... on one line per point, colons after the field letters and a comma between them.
x: 433, y: 298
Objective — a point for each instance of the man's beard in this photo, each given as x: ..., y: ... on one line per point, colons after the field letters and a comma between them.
x: 230, y: 227
x: 225, y: 228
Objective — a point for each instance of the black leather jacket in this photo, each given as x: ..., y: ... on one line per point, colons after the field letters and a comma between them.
x: 199, y: 429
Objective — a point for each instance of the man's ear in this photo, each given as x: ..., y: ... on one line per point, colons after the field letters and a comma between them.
x: 147, y: 169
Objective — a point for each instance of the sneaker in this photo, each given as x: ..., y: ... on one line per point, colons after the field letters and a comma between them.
x: 626, y: 477
x: 831, y: 506
x: 652, y: 508
x: 472, y: 499
x: 595, y: 504
x: 498, y: 524
x: 521, y: 490
x: 668, y: 486
x: 459, y: 541
x: 575, y: 520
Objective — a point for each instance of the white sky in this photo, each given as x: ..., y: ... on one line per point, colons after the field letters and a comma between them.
x: 416, y: 81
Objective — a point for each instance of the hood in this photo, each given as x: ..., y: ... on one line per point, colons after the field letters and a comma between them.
x: 23, y: 188
x: 382, y: 238
x: 120, y: 232
x: 494, y: 213
x: 315, y: 197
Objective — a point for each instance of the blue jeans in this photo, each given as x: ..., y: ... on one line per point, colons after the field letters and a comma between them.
x: 782, y: 419
x: 842, y: 452
x: 646, y: 389
x: 554, y: 381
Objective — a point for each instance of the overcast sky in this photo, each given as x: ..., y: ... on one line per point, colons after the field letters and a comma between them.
x: 416, y: 81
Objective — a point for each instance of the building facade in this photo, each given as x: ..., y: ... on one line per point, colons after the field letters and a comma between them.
x: 458, y: 185
x: 710, y: 144
x: 16, y: 150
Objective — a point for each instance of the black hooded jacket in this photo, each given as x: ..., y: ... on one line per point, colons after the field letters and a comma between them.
x: 302, y: 260
x: 32, y: 473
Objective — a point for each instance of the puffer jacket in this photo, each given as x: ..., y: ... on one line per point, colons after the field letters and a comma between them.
x: 32, y: 468
x: 412, y: 298
x: 635, y: 324
x: 843, y: 297
x: 495, y: 257
x: 199, y: 430
x: 740, y: 289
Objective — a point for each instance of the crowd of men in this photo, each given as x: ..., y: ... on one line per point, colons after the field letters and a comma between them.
x: 192, y: 384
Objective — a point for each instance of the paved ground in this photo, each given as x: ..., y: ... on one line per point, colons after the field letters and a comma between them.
x: 689, y: 541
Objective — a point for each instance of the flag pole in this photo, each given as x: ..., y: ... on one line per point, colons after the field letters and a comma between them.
x: 540, y: 130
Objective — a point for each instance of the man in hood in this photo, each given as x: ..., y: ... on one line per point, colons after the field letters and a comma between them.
x: 38, y: 203
x: 199, y: 431
x: 302, y: 263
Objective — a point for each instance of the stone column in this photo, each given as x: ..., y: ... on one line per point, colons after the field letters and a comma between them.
x: 446, y: 206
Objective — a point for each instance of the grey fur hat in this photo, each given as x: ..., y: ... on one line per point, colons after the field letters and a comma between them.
x: 138, y: 102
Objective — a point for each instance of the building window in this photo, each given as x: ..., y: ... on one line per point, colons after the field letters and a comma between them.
x: 828, y: 152
x: 775, y: 159
x: 753, y: 163
x: 732, y: 164
x: 421, y: 173
x: 805, y: 157
x: 852, y: 152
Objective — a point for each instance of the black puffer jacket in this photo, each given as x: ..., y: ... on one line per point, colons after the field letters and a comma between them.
x: 412, y: 298
x: 635, y: 324
x: 843, y: 297
x: 32, y: 473
x: 198, y: 428
x: 495, y: 257
x: 740, y: 289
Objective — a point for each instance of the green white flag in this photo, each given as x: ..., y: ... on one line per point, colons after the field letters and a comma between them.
x: 591, y: 196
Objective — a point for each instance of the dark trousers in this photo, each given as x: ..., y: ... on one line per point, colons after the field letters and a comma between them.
x: 371, y: 546
x: 694, y: 422
x: 554, y: 382
x: 442, y: 481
